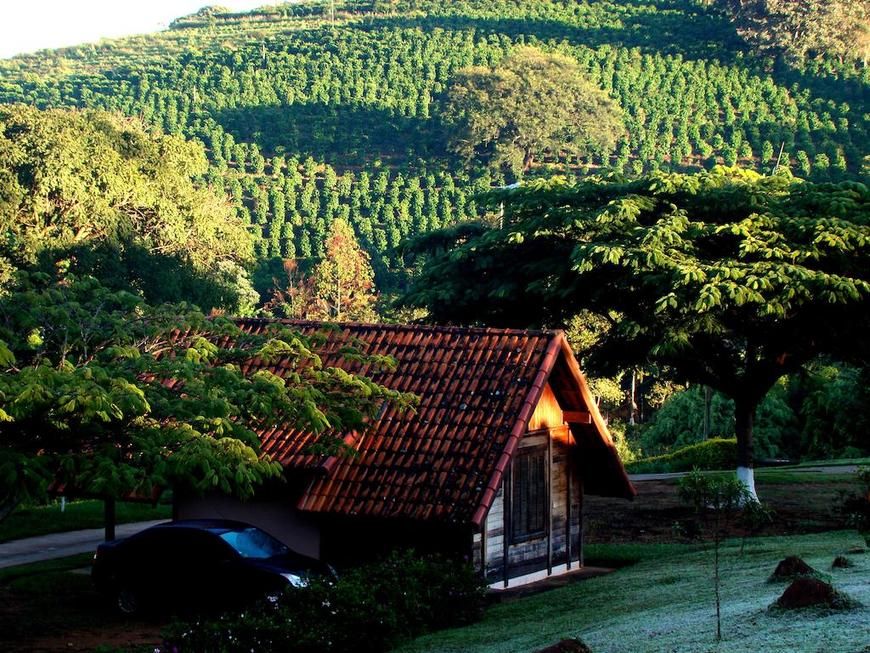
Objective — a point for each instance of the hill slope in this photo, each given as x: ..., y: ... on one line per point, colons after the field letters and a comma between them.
x: 306, y: 119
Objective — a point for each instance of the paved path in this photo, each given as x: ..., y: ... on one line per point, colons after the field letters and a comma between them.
x: 61, y: 545
x: 822, y: 469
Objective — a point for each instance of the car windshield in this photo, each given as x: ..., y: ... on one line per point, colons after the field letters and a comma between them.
x: 253, y: 543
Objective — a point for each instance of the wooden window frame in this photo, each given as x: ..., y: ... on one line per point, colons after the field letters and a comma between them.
x: 518, y: 536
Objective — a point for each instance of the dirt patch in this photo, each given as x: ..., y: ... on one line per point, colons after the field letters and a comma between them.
x: 813, y: 593
x: 61, y: 611
x: 567, y: 646
x: 798, y: 508
x: 791, y: 568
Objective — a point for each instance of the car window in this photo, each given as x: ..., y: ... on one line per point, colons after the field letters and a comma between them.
x: 253, y: 543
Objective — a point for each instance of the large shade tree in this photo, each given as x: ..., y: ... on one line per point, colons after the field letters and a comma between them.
x: 105, y: 395
x: 802, y: 28
x: 726, y: 277
x: 121, y: 203
x: 531, y: 103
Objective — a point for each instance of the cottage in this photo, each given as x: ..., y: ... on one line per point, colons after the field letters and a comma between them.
x: 493, y: 465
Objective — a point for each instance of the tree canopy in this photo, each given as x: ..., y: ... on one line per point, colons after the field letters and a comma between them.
x: 339, y: 287
x: 802, y: 28
x: 103, y: 394
x: 264, y: 91
x: 343, y: 279
x: 532, y: 102
x: 728, y: 277
x: 121, y: 201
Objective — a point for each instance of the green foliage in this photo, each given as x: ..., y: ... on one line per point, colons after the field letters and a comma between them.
x: 709, y: 494
x: 118, y: 202
x: 727, y: 277
x: 107, y: 395
x: 370, y: 608
x: 817, y: 414
x: 530, y: 104
x: 713, y: 454
x: 833, y: 410
x: 344, y: 281
x: 802, y: 29
x: 361, y: 98
x: 680, y: 422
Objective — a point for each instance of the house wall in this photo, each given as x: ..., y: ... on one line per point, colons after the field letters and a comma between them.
x: 277, y: 516
x: 508, y: 563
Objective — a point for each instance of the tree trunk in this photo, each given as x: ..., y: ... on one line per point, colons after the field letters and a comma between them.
x: 528, y: 158
x: 109, y: 512
x: 744, y: 417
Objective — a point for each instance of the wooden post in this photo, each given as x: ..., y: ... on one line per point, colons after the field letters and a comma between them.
x: 109, y: 518
x: 549, y: 503
x: 568, y: 526
x: 508, y: 513
x: 580, y: 515
x: 483, y: 549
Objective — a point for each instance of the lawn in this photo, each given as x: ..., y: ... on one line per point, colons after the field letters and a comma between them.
x: 40, y: 520
x: 665, y: 604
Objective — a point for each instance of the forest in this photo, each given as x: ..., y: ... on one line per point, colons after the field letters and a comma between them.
x: 315, y: 114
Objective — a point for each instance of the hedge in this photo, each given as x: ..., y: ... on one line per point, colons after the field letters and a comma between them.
x: 717, y: 453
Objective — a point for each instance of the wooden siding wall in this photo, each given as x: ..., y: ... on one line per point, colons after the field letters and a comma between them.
x: 552, y: 549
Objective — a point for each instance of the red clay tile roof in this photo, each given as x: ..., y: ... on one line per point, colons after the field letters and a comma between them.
x: 477, y: 389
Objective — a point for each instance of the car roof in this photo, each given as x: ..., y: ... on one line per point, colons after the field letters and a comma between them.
x: 205, y: 525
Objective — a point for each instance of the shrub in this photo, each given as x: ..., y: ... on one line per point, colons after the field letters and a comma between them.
x: 369, y: 609
x: 717, y: 453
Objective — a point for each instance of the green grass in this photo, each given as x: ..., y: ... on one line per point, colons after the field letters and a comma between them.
x: 780, y: 476
x: 664, y: 603
x: 619, y: 555
x: 29, y: 521
x: 832, y: 463
x: 38, y: 574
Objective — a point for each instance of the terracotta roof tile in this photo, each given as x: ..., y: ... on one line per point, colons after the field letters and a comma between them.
x: 473, y: 385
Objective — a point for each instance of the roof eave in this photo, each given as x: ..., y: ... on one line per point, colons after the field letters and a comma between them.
x: 520, y: 426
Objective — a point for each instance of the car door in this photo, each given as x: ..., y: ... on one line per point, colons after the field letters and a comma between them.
x: 202, y: 575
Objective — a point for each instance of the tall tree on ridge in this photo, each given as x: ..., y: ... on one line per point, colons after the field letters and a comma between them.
x: 531, y: 103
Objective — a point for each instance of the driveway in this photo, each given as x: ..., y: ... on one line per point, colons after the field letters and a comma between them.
x: 61, y: 545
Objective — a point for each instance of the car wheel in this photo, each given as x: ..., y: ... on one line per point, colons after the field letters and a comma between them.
x: 128, y: 601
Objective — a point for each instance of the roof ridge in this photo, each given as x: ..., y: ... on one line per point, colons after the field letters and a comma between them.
x: 433, y: 328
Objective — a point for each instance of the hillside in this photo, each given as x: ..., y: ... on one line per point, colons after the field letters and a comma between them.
x: 307, y: 117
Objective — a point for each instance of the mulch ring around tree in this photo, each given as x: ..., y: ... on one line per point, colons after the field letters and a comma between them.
x: 813, y: 593
x: 792, y: 568
x: 567, y: 646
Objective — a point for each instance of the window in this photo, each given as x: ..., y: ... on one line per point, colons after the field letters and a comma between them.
x: 529, y: 494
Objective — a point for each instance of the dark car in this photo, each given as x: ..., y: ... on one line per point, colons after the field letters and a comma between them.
x: 197, y: 564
